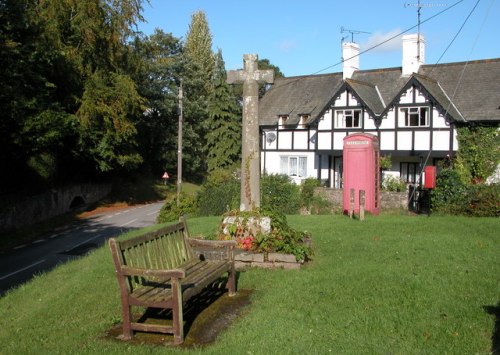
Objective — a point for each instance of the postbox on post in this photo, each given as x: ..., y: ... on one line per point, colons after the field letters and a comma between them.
x: 430, y: 177
x: 361, y: 171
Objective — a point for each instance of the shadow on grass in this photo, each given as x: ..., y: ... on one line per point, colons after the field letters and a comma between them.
x: 495, y: 337
x: 205, y: 317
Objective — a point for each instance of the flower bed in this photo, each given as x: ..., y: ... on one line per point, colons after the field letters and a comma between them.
x: 265, y: 239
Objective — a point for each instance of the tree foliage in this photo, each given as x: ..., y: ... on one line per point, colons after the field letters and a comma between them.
x: 223, y: 126
x: 479, y: 151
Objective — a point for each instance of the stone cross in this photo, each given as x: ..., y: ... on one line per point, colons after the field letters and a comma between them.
x: 250, y: 77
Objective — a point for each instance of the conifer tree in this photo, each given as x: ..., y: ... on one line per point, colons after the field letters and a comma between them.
x: 223, y: 125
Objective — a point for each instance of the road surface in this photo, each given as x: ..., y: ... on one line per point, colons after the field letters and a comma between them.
x: 22, y: 263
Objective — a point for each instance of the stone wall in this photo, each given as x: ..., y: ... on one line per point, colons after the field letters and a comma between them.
x: 50, y: 204
x: 389, y: 200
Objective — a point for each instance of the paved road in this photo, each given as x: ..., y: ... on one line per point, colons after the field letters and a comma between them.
x: 22, y: 263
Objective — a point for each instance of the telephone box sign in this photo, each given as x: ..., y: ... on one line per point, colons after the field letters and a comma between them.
x: 357, y: 142
x: 361, y: 171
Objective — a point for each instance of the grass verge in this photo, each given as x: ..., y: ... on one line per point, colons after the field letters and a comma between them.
x: 390, y: 284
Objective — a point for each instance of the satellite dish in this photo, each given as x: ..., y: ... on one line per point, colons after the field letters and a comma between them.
x: 270, y: 137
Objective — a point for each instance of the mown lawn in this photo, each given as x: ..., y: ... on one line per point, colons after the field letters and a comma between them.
x: 390, y: 284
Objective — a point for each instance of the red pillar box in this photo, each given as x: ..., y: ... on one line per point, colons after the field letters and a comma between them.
x: 361, y: 171
x: 430, y: 177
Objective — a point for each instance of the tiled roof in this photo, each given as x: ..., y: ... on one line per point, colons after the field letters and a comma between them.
x: 467, y: 91
x: 295, y: 96
x: 474, y: 87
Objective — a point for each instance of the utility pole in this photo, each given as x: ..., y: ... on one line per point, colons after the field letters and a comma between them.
x: 179, y: 146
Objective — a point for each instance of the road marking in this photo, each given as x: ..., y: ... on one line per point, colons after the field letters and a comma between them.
x: 23, y: 269
x: 152, y: 213
x: 81, y: 243
x: 20, y: 246
x: 132, y: 221
x: 39, y: 241
x: 53, y: 236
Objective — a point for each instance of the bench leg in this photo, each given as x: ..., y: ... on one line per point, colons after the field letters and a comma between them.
x: 177, y: 317
x: 231, y: 282
x: 127, y: 328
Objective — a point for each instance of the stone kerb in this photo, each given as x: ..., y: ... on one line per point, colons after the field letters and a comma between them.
x: 244, y: 260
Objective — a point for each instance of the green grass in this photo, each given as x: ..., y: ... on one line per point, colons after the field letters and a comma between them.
x: 390, y: 284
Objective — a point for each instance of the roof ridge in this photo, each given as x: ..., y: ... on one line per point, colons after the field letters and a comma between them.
x: 476, y: 61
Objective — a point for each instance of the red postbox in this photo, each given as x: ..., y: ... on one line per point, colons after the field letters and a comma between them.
x: 430, y: 177
x: 361, y: 171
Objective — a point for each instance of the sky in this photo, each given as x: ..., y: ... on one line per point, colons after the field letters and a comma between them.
x: 303, y: 37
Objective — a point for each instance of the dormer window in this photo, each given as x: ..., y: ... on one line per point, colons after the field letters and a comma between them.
x: 282, y: 119
x: 348, y: 118
x: 303, y: 121
x: 414, y: 116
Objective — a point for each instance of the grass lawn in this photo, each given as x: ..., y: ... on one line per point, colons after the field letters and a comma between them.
x: 390, y: 284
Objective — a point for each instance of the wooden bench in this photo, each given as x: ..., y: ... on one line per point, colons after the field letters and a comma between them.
x: 160, y: 269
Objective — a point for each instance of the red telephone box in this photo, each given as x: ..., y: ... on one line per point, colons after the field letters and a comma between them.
x: 430, y: 177
x: 361, y: 171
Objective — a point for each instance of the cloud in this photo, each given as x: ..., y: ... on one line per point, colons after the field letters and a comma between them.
x: 287, y: 45
x: 393, y: 44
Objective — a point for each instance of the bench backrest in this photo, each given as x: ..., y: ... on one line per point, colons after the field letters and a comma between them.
x: 165, y: 248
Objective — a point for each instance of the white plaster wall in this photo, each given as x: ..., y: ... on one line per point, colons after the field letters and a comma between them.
x: 301, y: 140
x: 419, y: 97
x: 440, y: 140
x: 422, y: 140
x: 326, y: 121
x: 338, y: 140
x: 389, y: 120
x: 352, y: 100
x: 369, y: 123
x: 404, y: 140
x: 272, y: 162
x: 387, y: 140
x: 324, y: 140
x: 342, y: 100
x: 285, y: 140
x: 437, y: 120
x: 406, y: 98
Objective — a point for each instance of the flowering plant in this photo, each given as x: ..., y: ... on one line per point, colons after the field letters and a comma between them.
x: 246, y: 243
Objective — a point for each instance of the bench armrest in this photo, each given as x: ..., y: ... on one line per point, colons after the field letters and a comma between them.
x: 162, y: 273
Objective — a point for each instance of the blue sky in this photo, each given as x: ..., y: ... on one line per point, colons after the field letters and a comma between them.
x: 304, y: 37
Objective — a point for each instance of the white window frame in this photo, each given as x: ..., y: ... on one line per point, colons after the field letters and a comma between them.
x: 347, y: 118
x: 293, y: 165
x: 414, y: 116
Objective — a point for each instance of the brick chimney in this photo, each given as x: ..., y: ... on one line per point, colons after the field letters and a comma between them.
x: 350, y: 59
x: 413, y: 53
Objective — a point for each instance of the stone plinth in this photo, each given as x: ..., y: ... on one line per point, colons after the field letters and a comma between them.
x: 244, y: 260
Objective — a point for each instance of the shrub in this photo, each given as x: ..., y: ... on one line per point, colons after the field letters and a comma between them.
x: 279, y: 193
x: 170, y: 212
x: 220, y: 193
x: 307, y: 191
x: 449, y: 196
x: 483, y: 201
x: 392, y: 183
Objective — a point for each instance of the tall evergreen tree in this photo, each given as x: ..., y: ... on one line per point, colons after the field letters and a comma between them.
x: 198, y: 49
x: 198, y: 69
x: 223, y: 138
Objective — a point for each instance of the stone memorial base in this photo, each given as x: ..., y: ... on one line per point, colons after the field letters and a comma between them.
x: 246, y: 259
